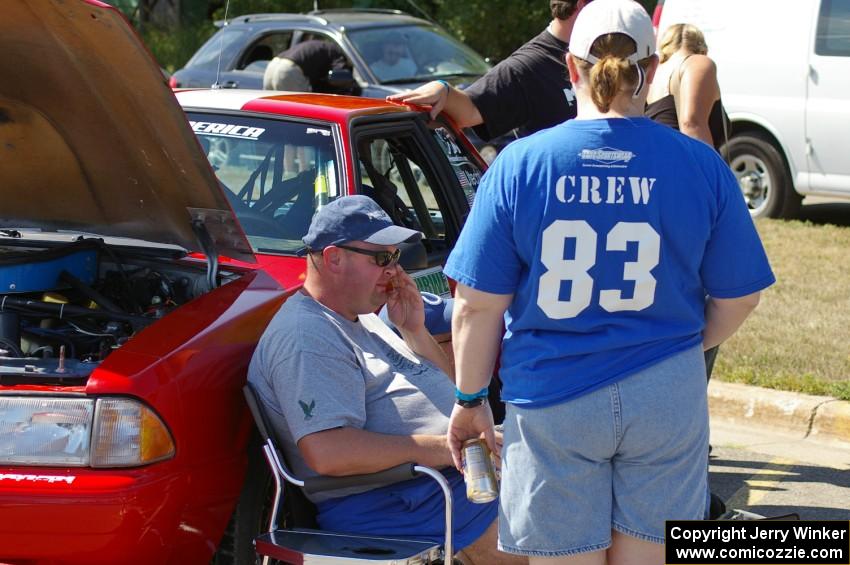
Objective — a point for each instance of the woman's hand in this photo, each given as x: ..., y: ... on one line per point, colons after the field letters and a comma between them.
x: 468, y: 423
x: 404, y: 303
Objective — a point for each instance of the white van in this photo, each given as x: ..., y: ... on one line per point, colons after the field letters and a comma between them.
x: 784, y: 72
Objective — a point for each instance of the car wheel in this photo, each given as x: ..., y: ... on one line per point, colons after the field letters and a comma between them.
x: 763, y: 176
x: 251, y: 516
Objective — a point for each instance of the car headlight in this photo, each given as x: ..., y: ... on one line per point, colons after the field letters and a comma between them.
x: 79, y: 432
x: 42, y: 431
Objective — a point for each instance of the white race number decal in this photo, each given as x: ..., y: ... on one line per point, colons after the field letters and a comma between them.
x: 576, y: 270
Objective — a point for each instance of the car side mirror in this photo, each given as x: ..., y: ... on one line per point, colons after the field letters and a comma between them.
x: 341, y: 79
x: 414, y: 257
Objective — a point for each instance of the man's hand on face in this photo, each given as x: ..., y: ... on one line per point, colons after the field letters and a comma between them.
x: 404, y: 303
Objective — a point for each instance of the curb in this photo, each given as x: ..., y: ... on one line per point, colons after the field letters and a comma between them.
x: 802, y: 415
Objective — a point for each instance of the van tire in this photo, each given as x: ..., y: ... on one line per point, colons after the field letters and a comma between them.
x: 763, y: 176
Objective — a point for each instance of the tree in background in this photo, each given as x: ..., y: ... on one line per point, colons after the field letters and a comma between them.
x: 494, y: 28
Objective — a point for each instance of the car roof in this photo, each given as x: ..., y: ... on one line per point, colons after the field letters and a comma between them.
x: 330, y: 107
x: 343, y: 19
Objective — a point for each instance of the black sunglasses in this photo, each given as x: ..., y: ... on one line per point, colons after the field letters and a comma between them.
x: 382, y: 258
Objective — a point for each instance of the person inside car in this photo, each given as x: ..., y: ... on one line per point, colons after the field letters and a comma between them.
x: 395, y: 62
x: 347, y: 396
x: 305, y: 67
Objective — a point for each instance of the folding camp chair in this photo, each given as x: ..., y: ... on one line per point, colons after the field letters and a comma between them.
x: 303, y: 545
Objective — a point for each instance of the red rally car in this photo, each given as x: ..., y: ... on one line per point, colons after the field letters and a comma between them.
x: 135, y: 278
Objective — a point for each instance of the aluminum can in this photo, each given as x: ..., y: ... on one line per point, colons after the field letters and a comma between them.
x: 479, y: 472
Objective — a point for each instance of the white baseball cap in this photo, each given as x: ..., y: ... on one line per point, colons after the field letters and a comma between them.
x: 602, y: 17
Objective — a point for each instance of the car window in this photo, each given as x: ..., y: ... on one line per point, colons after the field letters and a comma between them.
x: 394, y: 172
x: 274, y: 173
x: 465, y: 167
x: 258, y: 55
x: 833, y: 32
x: 312, y: 35
x: 415, y: 54
x: 222, y: 46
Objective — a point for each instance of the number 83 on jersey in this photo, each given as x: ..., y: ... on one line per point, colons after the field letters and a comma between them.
x: 576, y: 270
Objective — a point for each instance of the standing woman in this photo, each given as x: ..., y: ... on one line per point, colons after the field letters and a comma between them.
x: 598, y: 241
x: 685, y: 94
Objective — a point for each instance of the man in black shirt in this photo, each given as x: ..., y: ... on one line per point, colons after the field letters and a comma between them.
x: 305, y: 67
x: 529, y: 91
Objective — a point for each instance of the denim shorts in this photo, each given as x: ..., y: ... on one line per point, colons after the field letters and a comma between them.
x: 627, y: 457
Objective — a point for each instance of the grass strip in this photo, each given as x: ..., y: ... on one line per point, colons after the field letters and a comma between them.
x: 798, y: 339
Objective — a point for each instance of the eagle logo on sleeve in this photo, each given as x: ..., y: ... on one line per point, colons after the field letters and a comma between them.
x: 307, y: 408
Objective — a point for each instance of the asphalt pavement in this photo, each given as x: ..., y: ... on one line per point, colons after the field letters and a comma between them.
x: 773, y: 473
x: 778, y: 452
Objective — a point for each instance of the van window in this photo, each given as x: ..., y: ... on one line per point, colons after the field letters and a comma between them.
x: 833, y: 34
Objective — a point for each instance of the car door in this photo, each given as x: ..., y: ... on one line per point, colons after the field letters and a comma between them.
x: 828, y: 100
x: 467, y: 166
x: 419, y: 174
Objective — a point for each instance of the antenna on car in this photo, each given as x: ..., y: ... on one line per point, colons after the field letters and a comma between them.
x: 422, y: 12
x: 216, y: 84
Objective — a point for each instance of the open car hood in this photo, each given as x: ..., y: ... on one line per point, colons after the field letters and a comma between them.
x: 91, y: 137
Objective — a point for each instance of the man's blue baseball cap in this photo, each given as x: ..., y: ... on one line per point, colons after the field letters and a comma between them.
x: 354, y: 218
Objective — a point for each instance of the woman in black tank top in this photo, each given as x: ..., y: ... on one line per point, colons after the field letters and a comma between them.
x: 685, y: 94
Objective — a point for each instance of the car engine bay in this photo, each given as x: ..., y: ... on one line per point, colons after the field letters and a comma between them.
x: 65, y: 308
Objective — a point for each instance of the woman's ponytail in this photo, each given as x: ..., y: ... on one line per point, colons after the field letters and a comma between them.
x: 612, y: 73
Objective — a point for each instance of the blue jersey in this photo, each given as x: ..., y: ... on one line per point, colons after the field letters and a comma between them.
x: 609, y: 234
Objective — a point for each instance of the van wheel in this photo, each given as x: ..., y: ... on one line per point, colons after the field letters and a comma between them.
x: 251, y: 516
x: 763, y: 176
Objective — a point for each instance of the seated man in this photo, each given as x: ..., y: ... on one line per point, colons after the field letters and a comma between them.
x: 394, y: 63
x: 348, y: 396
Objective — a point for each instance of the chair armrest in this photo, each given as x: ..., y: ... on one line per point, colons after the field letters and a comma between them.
x: 395, y: 474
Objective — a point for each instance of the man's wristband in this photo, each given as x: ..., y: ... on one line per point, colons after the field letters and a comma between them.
x: 470, y: 397
x: 470, y: 403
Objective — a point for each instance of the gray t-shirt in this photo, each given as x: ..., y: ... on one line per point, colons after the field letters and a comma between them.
x: 314, y: 370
